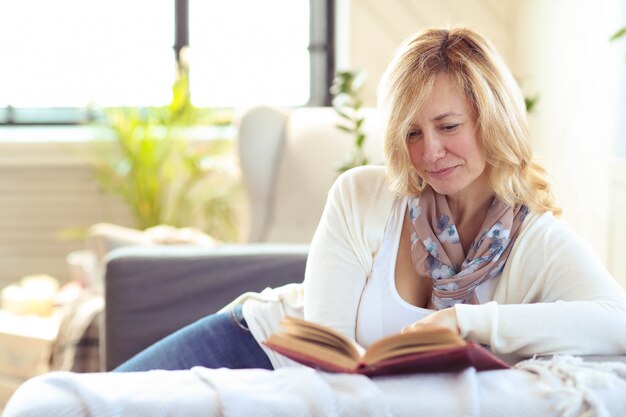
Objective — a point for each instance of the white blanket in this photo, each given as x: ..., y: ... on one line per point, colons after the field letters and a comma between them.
x: 561, y: 387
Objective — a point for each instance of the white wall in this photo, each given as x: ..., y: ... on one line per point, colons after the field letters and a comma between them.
x: 377, y: 27
x: 46, y: 194
x: 565, y: 50
x: 617, y: 222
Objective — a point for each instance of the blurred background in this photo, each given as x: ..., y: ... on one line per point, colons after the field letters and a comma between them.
x: 80, y: 75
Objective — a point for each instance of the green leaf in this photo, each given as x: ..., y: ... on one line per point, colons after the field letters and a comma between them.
x: 343, y: 114
x: 344, y: 128
x: 360, y: 140
x: 619, y: 34
x: 530, y: 103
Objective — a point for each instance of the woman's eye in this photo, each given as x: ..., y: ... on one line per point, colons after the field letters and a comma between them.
x: 413, y: 135
x: 450, y: 127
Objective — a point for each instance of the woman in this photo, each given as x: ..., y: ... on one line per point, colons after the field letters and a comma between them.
x: 458, y: 230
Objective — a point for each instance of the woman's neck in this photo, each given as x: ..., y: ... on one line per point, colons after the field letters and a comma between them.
x: 469, y: 210
x: 475, y: 209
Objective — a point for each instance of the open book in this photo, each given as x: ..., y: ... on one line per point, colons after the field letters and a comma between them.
x: 432, y: 350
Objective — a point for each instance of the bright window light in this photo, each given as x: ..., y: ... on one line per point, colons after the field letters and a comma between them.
x: 246, y: 52
x: 78, y: 53
x: 73, y: 53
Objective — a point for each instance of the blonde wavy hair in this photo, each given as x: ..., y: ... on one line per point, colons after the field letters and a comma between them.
x: 498, y: 106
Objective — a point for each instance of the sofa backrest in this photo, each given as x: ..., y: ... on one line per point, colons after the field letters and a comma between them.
x: 151, y: 292
x: 289, y: 160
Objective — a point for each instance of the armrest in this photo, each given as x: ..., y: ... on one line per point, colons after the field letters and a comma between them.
x: 152, y: 291
x: 261, y: 139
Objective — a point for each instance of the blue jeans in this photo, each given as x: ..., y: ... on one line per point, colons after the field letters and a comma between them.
x: 221, y: 340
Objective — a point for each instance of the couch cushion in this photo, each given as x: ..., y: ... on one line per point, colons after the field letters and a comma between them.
x: 153, y: 291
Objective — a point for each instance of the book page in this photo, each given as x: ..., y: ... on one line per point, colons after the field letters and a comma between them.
x: 322, y: 335
x: 412, y: 342
x: 299, y: 349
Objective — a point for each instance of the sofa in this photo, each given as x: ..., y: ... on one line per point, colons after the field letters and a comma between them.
x: 288, y: 159
x: 152, y: 291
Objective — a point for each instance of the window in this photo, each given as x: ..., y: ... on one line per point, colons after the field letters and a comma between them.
x: 62, y: 57
x: 249, y: 52
x: 63, y: 60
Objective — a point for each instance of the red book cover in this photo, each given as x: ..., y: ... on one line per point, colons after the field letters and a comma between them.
x: 471, y: 354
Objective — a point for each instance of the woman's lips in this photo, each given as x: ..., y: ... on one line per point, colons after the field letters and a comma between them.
x: 441, y: 173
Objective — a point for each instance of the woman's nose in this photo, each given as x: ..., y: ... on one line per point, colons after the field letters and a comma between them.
x: 433, y: 148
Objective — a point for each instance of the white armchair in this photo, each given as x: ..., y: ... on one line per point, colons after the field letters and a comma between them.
x: 289, y: 160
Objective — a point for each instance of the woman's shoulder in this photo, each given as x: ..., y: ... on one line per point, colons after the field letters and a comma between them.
x: 364, y: 181
x: 549, y: 235
x: 546, y: 226
x: 363, y: 195
x: 363, y: 187
x: 363, y: 174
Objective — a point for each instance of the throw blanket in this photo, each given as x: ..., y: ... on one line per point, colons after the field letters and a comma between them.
x: 563, y: 387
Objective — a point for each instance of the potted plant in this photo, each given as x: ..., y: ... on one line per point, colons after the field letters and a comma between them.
x: 347, y: 102
x: 165, y: 175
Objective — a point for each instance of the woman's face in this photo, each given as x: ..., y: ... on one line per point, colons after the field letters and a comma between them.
x: 443, y: 145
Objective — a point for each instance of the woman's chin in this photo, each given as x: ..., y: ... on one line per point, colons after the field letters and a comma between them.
x: 444, y: 189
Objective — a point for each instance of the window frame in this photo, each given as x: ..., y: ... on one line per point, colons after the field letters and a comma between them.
x: 322, y: 61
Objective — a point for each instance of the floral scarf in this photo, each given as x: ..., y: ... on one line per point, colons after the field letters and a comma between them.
x: 437, y: 252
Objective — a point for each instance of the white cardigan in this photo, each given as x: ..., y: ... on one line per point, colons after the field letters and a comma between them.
x: 554, y: 294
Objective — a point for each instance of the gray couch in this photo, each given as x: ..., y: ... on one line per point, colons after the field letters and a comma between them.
x: 152, y: 291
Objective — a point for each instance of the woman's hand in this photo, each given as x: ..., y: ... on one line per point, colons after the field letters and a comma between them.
x: 445, y: 318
